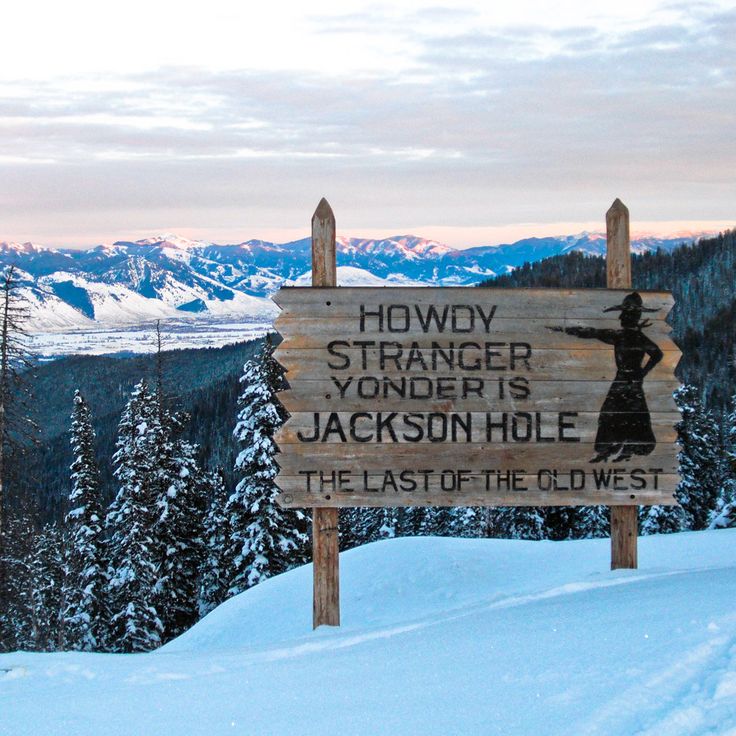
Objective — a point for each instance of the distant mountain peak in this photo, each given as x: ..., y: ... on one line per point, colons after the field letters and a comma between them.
x: 170, y: 240
x: 169, y: 276
x: 11, y: 247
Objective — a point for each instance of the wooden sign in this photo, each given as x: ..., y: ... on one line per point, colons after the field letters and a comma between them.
x: 482, y: 397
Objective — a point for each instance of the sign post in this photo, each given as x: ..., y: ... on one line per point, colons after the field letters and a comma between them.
x: 474, y: 397
x: 325, y: 521
x: 624, y: 519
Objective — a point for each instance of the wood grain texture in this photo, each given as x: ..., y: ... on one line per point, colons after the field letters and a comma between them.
x: 624, y: 529
x: 544, y: 364
x: 317, y: 333
x: 421, y: 393
x: 325, y: 557
x: 520, y: 303
x: 479, y: 456
x: 325, y: 541
x: 624, y: 535
x: 294, y: 496
x: 618, y: 247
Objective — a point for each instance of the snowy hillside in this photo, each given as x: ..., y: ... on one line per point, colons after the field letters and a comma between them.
x: 440, y: 636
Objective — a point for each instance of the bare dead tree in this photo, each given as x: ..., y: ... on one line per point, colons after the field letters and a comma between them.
x: 18, y: 431
x: 162, y: 343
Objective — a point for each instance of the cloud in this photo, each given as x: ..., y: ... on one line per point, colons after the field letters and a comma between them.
x: 484, y: 126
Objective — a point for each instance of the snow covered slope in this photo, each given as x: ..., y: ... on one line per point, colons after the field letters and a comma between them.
x: 440, y: 636
x: 168, y: 277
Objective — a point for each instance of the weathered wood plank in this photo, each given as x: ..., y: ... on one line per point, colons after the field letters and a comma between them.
x: 476, y: 491
x: 319, y: 334
x: 459, y: 394
x: 350, y: 456
x: 453, y: 428
x: 541, y: 364
x: 535, y: 302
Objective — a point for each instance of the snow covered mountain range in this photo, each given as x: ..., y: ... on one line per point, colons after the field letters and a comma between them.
x: 168, y: 277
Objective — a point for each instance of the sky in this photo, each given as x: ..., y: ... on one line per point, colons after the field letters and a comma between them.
x: 472, y: 123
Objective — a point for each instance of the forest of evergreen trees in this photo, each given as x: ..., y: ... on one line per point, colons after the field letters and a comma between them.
x: 129, y: 575
x: 154, y: 501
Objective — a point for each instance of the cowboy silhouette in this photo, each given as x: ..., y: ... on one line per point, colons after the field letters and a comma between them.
x: 624, y: 424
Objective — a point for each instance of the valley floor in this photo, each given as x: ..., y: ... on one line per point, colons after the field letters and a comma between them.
x: 440, y: 636
x: 140, y: 338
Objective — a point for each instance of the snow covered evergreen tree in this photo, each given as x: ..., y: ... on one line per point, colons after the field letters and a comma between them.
x: 429, y: 523
x: 181, y: 506
x: 465, y: 521
x: 352, y: 532
x: 134, y: 552
x: 726, y: 513
x: 591, y: 522
x: 387, y: 523
x: 16, y: 623
x: 213, y: 576
x: 410, y: 520
x: 519, y: 522
x: 700, y: 464
x: 46, y: 568
x: 561, y: 522
x: 266, y: 539
x: 662, y: 519
x: 84, y: 613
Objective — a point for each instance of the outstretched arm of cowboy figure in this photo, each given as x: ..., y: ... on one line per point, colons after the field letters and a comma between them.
x: 588, y: 333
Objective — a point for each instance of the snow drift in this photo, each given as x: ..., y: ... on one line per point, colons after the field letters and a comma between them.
x: 440, y: 636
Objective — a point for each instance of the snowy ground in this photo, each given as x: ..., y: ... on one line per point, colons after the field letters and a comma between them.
x: 440, y: 636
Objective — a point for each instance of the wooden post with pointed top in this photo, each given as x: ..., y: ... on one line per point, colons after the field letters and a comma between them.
x: 325, y: 540
x: 624, y: 519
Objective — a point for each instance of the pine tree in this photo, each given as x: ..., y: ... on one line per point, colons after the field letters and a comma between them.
x: 46, y: 569
x: 388, y: 522
x: 213, y: 576
x: 266, y: 539
x: 465, y: 521
x: 181, y: 505
x: 352, y: 528
x: 409, y: 520
x: 591, y: 522
x: 134, y: 553
x: 16, y: 611
x: 726, y: 516
x: 84, y: 615
x: 429, y: 522
x: 519, y: 522
x: 17, y: 430
x: 662, y: 520
x: 179, y: 487
x: 562, y: 522
x: 700, y: 466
